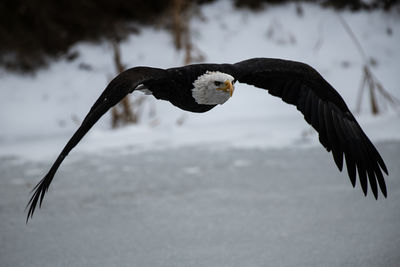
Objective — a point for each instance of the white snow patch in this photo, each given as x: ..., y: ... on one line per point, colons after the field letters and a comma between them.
x: 38, y: 114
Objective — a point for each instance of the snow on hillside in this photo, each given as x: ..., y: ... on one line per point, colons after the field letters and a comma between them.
x: 39, y: 113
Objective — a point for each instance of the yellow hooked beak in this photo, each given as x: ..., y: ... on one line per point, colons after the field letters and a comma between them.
x: 228, y: 87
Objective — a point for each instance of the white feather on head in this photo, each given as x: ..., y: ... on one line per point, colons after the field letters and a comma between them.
x: 205, y: 90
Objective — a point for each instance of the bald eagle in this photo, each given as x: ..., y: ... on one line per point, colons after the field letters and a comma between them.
x: 200, y: 87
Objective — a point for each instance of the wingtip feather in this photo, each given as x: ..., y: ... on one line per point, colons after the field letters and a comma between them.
x: 38, y: 193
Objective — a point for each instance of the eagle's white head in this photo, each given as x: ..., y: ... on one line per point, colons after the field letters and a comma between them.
x: 212, y: 88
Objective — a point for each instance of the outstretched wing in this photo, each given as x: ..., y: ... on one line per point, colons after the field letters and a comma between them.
x: 115, y: 91
x: 322, y: 106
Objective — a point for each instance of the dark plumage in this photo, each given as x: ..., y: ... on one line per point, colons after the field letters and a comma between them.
x: 296, y: 83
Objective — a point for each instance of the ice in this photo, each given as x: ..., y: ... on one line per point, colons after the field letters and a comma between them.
x: 192, y: 207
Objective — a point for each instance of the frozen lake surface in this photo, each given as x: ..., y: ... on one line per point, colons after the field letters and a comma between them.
x: 199, y: 207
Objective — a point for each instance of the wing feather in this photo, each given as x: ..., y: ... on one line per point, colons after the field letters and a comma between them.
x: 115, y: 91
x: 314, y: 113
x: 325, y: 110
x: 332, y: 137
x: 289, y: 95
x: 322, y: 130
x: 308, y: 107
x: 340, y: 137
x: 381, y: 180
x: 301, y: 100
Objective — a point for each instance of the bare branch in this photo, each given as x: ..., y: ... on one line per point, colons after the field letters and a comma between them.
x: 368, y: 78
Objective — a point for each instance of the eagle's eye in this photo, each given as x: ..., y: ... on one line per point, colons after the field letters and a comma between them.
x: 217, y: 83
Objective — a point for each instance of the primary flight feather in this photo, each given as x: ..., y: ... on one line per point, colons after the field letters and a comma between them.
x: 200, y: 87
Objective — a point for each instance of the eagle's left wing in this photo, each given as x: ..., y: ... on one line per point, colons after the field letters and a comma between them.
x: 322, y: 106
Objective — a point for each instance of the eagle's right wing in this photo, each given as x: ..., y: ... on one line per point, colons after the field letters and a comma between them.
x: 125, y: 83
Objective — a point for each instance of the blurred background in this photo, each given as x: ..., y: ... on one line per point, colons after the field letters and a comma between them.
x: 226, y: 195
x: 58, y: 55
x: 56, y: 58
x: 33, y: 32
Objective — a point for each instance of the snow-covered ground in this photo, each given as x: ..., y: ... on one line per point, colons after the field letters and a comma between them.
x: 39, y: 113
